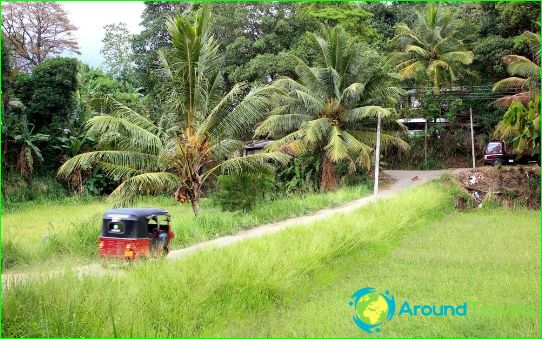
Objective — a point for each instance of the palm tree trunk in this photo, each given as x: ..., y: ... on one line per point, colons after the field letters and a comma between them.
x: 194, y: 195
x: 194, y: 201
x: 329, y: 175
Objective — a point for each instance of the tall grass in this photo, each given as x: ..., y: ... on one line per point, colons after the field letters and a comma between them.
x: 40, y: 232
x: 208, y: 290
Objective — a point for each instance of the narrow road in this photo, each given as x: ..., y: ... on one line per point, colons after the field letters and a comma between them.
x: 402, y: 181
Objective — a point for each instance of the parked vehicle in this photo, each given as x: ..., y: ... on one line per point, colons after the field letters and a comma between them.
x: 498, y: 153
x: 132, y: 233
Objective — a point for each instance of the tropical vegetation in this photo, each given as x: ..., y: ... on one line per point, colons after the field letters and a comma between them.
x: 328, y: 108
x: 193, y: 139
x: 433, y: 51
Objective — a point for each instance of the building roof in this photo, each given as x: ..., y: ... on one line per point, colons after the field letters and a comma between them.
x: 256, y: 144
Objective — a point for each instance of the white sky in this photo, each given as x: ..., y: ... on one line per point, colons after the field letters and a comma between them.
x: 91, y: 16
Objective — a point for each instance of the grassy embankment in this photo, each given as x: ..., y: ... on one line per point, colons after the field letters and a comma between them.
x: 68, y: 230
x: 298, y: 282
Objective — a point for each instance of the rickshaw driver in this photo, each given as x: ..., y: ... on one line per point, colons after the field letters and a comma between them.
x: 158, y: 236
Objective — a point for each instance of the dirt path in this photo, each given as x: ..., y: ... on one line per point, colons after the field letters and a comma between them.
x: 403, y: 181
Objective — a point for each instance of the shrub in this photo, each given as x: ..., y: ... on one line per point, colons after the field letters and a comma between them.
x: 243, y: 192
x: 16, y: 189
x: 12, y: 254
x: 81, y: 239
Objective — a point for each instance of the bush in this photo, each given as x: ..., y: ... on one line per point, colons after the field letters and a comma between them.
x: 243, y: 192
x: 12, y: 254
x: 301, y: 175
x: 16, y: 189
x: 80, y: 240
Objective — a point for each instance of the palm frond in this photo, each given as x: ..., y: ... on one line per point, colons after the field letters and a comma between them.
x: 145, y: 183
x: 361, y: 113
x: 136, y: 160
x: 336, y: 148
x: 276, y: 125
x: 261, y: 162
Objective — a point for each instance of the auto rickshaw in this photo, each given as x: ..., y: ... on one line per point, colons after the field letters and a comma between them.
x: 132, y: 233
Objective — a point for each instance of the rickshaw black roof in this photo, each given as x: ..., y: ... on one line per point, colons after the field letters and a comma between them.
x: 136, y: 213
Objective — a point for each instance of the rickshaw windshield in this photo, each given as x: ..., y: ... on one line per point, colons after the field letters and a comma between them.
x: 119, y: 228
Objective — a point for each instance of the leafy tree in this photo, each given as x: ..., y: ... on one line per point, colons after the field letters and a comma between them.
x: 37, y: 30
x: 7, y: 69
x: 525, y: 73
x: 53, y: 84
x: 116, y: 50
x: 193, y: 140
x: 328, y: 108
x: 152, y: 38
x: 489, y: 52
x: 352, y: 16
x: 254, y: 35
x: 516, y: 17
x: 431, y: 50
x: 520, y: 126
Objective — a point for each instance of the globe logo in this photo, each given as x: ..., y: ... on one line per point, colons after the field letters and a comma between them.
x: 371, y: 309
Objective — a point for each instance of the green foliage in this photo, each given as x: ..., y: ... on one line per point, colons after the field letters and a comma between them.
x: 53, y: 84
x: 16, y: 189
x: 243, y: 192
x: 62, y: 229
x: 193, y: 139
x: 116, y: 51
x: 228, y: 283
x: 431, y: 51
x: 7, y: 76
x: 352, y: 16
x: 520, y: 126
x: 525, y: 79
x: 12, y: 254
x: 253, y: 36
x: 151, y: 39
x: 517, y: 17
x: 78, y: 240
x: 489, y: 52
x: 329, y: 107
x: 301, y: 175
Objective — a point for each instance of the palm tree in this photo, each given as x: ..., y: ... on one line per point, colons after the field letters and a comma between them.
x: 27, y: 143
x: 431, y: 49
x: 328, y: 109
x: 193, y: 139
x: 525, y: 73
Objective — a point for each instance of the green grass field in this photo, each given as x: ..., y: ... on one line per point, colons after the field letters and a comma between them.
x: 298, y: 282
x: 33, y: 233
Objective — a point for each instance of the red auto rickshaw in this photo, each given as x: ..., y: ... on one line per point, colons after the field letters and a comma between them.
x: 131, y: 233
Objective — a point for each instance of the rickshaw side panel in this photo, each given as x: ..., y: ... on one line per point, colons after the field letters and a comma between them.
x: 124, y: 247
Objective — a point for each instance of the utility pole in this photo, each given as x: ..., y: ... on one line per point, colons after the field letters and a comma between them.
x: 472, y: 141
x: 377, y: 157
x: 425, y: 145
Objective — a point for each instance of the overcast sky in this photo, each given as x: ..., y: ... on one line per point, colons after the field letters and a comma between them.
x: 91, y: 16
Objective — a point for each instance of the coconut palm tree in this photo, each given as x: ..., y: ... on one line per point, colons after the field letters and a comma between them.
x: 330, y: 109
x: 525, y: 79
x: 431, y: 49
x: 194, y: 139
